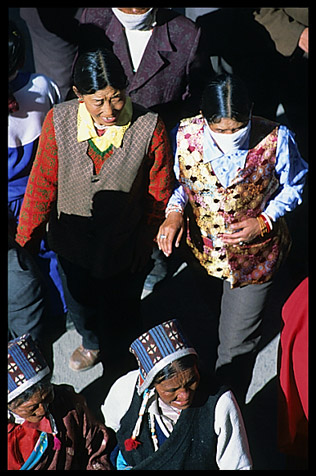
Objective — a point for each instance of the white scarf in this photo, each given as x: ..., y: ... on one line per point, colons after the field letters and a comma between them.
x: 144, y: 21
x: 230, y: 142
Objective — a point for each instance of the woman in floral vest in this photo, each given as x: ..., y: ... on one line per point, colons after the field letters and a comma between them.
x: 237, y: 177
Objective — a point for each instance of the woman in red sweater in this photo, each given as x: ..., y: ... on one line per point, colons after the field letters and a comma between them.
x: 101, y: 180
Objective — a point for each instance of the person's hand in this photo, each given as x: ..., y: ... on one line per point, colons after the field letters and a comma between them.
x: 171, y: 229
x: 241, y: 232
x: 303, y: 41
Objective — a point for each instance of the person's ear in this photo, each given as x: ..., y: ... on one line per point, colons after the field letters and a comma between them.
x: 79, y: 96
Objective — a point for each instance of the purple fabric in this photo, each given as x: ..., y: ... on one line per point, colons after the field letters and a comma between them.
x: 173, y: 64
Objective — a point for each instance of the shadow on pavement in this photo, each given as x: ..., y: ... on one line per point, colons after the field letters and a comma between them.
x: 186, y: 297
x: 260, y: 417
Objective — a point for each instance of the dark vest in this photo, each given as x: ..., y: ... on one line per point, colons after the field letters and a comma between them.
x: 97, y: 218
x: 191, y: 445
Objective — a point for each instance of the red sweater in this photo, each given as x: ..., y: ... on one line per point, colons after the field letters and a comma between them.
x: 41, y: 191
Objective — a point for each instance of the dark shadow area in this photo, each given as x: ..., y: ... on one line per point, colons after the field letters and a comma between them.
x: 188, y: 298
x: 249, y: 56
x: 194, y: 299
x: 260, y: 417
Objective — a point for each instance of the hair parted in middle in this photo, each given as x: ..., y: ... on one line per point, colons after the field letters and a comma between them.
x: 97, y: 69
x: 170, y: 370
x: 226, y: 96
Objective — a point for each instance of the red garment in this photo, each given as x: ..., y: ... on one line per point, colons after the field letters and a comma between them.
x: 22, y: 439
x: 293, y: 374
x: 21, y: 442
x: 85, y: 443
x: 43, y: 179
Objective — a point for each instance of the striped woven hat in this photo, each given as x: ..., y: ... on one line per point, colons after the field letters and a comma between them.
x: 158, y: 347
x: 26, y: 365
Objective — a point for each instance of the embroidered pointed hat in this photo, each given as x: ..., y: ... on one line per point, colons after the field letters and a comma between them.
x: 158, y: 347
x: 26, y: 365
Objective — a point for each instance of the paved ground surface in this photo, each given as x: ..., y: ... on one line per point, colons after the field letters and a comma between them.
x: 181, y: 296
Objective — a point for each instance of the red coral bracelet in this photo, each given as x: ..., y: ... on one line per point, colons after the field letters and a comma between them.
x: 267, y: 224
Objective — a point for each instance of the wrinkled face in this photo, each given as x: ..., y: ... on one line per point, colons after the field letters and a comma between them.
x: 104, y: 105
x: 34, y: 409
x: 178, y: 391
x: 227, y: 126
x: 135, y: 10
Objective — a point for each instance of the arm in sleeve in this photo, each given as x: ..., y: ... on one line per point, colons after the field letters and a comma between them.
x: 283, y: 29
x: 41, y: 190
x: 161, y: 176
x: 98, y: 440
x: 61, y: 22
x: 291, y: 171
x: 118, y: 399
x: 178, y: 198
x: 232, y: 451
x: 199, y: 73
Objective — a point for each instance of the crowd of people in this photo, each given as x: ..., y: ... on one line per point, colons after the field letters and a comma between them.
x: 126, y: 143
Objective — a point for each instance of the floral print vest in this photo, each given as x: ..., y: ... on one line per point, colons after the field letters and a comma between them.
x: 212, y: 207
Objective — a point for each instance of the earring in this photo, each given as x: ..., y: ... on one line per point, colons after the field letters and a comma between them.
x: 80, y: 100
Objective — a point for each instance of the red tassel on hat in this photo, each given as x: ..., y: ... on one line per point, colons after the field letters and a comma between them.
x: 131, y: 444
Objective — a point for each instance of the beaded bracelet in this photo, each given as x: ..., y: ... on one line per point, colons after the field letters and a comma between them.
x: 267, y: 220
x: 264, y: 225
x: 173, y: 208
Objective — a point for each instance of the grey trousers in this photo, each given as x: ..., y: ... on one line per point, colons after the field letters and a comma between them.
x: 239, y: 333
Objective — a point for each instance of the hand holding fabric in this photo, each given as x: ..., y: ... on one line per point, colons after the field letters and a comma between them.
x: 242, y: 231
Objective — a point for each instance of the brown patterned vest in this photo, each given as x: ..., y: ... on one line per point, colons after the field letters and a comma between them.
x: 98, y: 218
x: 212, y: 207
x: 77, y: 183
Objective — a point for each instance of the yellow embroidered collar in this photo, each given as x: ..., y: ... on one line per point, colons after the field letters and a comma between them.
x: 112, y: 135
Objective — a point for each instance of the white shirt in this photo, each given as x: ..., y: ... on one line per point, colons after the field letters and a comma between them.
x: 232, y: 452
x: 137, y: 42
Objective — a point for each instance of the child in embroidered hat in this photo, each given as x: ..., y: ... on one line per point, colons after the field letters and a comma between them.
x: 168, y: 416
x: 49, y: 426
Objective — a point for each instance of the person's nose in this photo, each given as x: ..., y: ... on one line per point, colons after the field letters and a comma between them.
x: 41, y: 410
x: 107, y: 109
x: 183, y: 395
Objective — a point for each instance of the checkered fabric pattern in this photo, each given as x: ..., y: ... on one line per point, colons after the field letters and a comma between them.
x: 26, y: 365
x: 158, y: 347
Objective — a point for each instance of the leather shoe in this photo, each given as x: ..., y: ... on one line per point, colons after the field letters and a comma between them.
x: 84, y: 359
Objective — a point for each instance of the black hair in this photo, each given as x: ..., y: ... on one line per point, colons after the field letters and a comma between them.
x: 16, y: 48
x: 179, y: 365
x: 97, y: 69
x: 226, y: 96
x: 43, y: 385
